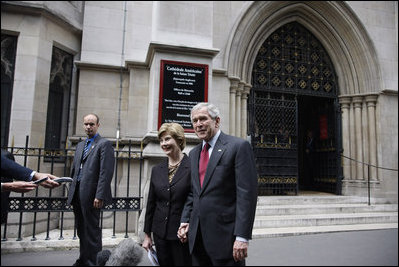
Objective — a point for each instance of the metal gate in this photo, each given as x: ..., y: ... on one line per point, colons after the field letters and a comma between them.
x: 294, y: 92
x: 273, y: 118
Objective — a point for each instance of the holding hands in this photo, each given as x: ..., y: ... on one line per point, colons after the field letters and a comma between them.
x: 182, y: 232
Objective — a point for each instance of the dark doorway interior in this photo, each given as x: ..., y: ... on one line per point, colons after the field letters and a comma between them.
x: 317, y: 165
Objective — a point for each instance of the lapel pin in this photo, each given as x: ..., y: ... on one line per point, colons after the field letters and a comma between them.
x: 219, y: 150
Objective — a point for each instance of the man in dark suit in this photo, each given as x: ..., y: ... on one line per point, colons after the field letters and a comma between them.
x: 92, y: 172
x: 218, y: 216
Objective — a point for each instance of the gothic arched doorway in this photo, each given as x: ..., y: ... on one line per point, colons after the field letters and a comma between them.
x: 295, y: 92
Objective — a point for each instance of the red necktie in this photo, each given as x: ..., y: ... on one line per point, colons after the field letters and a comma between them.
x: 204, y: 158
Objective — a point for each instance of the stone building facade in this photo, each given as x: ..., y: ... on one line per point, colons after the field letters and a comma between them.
x: 75, y: 57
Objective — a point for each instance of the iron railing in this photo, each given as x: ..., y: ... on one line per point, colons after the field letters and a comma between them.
x: 368, y: 165
x: 126, y: 202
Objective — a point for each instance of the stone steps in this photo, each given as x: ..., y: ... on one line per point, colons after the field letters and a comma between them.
x: 323, y: 208
x: 293, y: 231
x: 297, y: 215
x: 317, y: 199
x: 325, y: 219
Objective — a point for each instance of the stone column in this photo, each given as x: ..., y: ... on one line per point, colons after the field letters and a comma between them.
x: 365, y: 140
x: 371, y: 104
x: 357, y: 101
x: 244, y: 111
x: 240, y: 89
x: 352, y: 140
x: 233, y: 89
x: 345, y: 105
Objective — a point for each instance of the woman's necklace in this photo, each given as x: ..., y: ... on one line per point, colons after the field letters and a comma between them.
x: 181, y: 156
x: 173, y: 168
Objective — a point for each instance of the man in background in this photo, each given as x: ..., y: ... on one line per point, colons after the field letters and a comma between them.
x: 92, y: 172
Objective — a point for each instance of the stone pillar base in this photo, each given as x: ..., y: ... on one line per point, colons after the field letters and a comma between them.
x: 359, y: 188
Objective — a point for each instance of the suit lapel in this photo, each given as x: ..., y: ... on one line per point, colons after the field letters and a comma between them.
x: 182, y: 168
x: 163, y: 176
x: 79, y: 149
x: 217, y: 153
x: 194, y: 159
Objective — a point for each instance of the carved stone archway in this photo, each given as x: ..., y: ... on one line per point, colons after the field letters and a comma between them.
x: 353, y: 56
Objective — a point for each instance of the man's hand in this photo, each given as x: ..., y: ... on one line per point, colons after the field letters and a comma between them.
x: 49, y: 183
x: 98, y: 203
x: 182, y: 232
x: 240, y: 250
x: 19, y: 186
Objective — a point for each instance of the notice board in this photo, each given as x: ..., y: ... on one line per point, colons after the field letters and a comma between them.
x: 182, y: 86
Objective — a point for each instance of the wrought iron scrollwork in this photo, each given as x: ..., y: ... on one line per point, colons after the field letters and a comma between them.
x: 40, y: 204
x: 292, y: 60
x: 290, y: 63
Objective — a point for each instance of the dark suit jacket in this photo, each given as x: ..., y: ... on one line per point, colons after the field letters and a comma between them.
x: 165, y: 201
x: 97, y: 172
x: 225, y: 205
x: 11, y: 169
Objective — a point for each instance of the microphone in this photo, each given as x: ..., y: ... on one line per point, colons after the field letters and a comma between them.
x: 128, y: 253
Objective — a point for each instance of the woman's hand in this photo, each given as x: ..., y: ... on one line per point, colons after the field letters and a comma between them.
x: 147, y: 243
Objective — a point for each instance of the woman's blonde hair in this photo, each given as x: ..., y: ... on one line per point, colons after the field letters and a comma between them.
x: 176, y: 131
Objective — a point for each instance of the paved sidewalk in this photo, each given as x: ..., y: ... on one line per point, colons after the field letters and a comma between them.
x: 357, y: 248
x: 354, y: 248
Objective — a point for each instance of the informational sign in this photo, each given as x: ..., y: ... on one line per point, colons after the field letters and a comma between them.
x: 182, y: 86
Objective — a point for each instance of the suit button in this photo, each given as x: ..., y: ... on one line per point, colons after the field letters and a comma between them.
x: 167, y: 204
x: 166, y: 218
